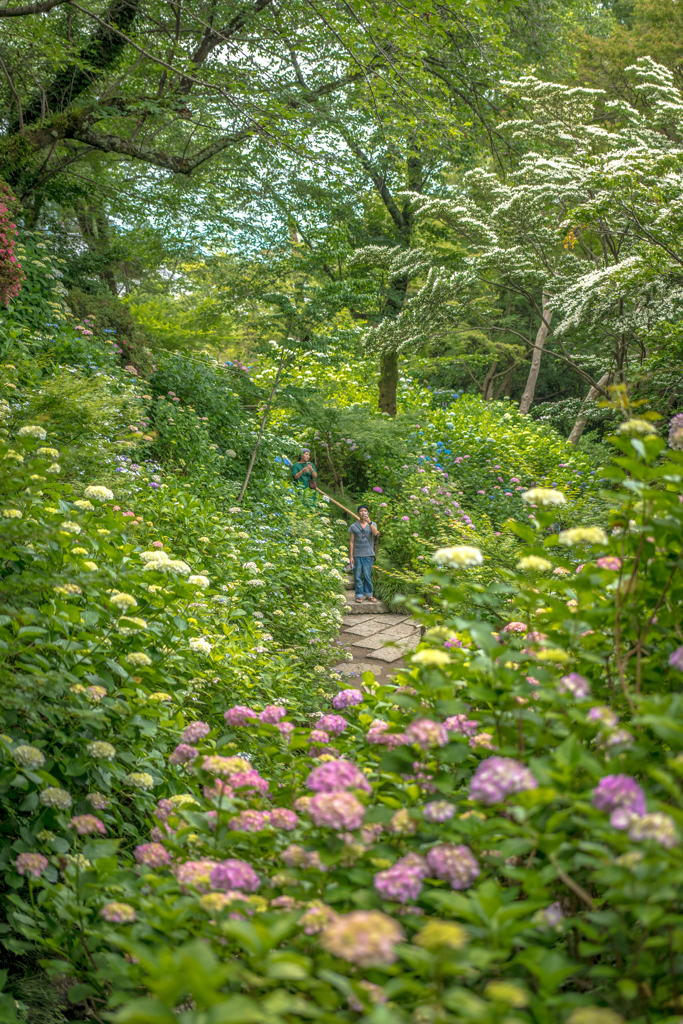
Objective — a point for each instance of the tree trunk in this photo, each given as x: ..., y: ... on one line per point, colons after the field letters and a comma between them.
x: 582, y: 418
x: 487, y: 386
x: 388, y: 382
x: 541, y: 335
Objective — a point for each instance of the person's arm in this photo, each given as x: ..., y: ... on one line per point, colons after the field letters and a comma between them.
x: 374, y: 530
x: 351, y: 550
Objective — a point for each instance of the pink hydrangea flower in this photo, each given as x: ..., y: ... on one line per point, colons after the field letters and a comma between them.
x: 318, y: 736
x: 337, y: 810
x: 499, y: 777
x: 250, y: 821
x: 272, y: 714
x: 296, y: 857
x: 657, y: 826
x: 284, y: 728
x: 281, y: 817
x: 425, y: 732
x: 196, y: 873
x: 334, y: 724
x: 377, y: 490
x: 364, y: 937
x: 31, y: 864
x: 249, y: 780
x: 515, y: 627
x: 157, y: 544
x: 153, y: 855
x: 235, y: 874
x: 676, y: 659
x: 609, y: 562
x: 239, y: 715
x: 195, y: 731
x: 334, y: 776
x: 183, y: 753
x: 454, y: 864
x: 118, y: 913
x: 85, y: 824
x: 603, y: 715
x: 462, y: 725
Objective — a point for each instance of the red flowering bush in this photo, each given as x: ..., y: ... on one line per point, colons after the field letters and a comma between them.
x: 11, y: 274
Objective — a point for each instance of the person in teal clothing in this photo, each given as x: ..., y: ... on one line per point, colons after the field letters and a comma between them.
x: 304, y: 475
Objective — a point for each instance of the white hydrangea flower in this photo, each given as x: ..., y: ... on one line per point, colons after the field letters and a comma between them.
x: 28, y: 757
x: 252, y: 566
x: 535, y: 563
x: 154, y: 556
x: 231, y: 455
x: 233, y: 511
x: 69, y: 527
x: 583, y: 535
x: 177, y: 565
x: 53, y: 796
x: 68, y: 589
x: 257, y: 615
x: 11, y: 454
x: 636, y: 426
x: 543, y: 496
x: 51, y: 453
x: 278, y: 611
x: 101, y: 749
x: 79, y: 551
x: 200, y: 581
x: 458, y: 557
x: 32, y: 431
x: 268, y: 565
x: 122, y: 600
x: 138, y: 659
x: 99, y: 493
x: 431, y: 659
x: 12, y: 513
x: 54, y: 468
x: 84, y: 505
x: 200, y: 645
x: 128, y: 625
x: 140, y: 780
x: 91, y: 566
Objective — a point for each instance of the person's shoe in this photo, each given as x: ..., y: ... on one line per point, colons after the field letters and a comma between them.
x: 359, y: 600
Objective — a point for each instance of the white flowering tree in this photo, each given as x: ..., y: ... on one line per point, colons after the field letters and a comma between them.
x: 585, y: 229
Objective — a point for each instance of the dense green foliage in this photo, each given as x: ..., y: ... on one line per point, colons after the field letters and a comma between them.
x: 411, y: 240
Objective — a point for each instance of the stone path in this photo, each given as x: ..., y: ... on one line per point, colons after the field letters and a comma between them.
x: 376, y: 638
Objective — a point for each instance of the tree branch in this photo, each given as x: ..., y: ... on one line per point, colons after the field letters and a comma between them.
x: 38, y: 8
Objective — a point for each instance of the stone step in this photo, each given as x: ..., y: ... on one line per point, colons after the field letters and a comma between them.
x: 365, y: 608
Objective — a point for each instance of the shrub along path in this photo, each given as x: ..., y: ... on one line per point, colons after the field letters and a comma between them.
x: 376, y: 639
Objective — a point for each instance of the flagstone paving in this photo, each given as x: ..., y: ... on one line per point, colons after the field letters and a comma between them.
x: 376, y: 639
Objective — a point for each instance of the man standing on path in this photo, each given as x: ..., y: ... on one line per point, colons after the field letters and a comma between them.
x: 362, y: 554
x: 304, y: 475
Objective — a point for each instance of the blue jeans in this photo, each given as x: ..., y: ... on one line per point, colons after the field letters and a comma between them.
x: 362, y: 575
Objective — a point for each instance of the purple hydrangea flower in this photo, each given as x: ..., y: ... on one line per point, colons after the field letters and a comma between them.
x: 574, y: 684
x: 154, y: 855
x: 183, y: 753
x: 195, y: 731
x: 85, y: 824
x: 272, y: 714
x: 454, y: 864
x: 622, y: 797
x: 676, y: 659
x: 499, y: 777
x: 550, y: 917
x: 249, y: 780
x: 334, y: 776
x: 239, y: 715
x: 425, y: 732
x: 234, y: 874
x: 346, y: 699
x: 602, y: 715
x: 31, y: 864
x: 402, y: 881
x: 285, y: 728
x: 334, y: 724
x: 318, y: 736
x: 438, y: 810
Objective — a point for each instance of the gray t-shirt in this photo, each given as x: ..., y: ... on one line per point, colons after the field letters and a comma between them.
x: 363, y: 540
